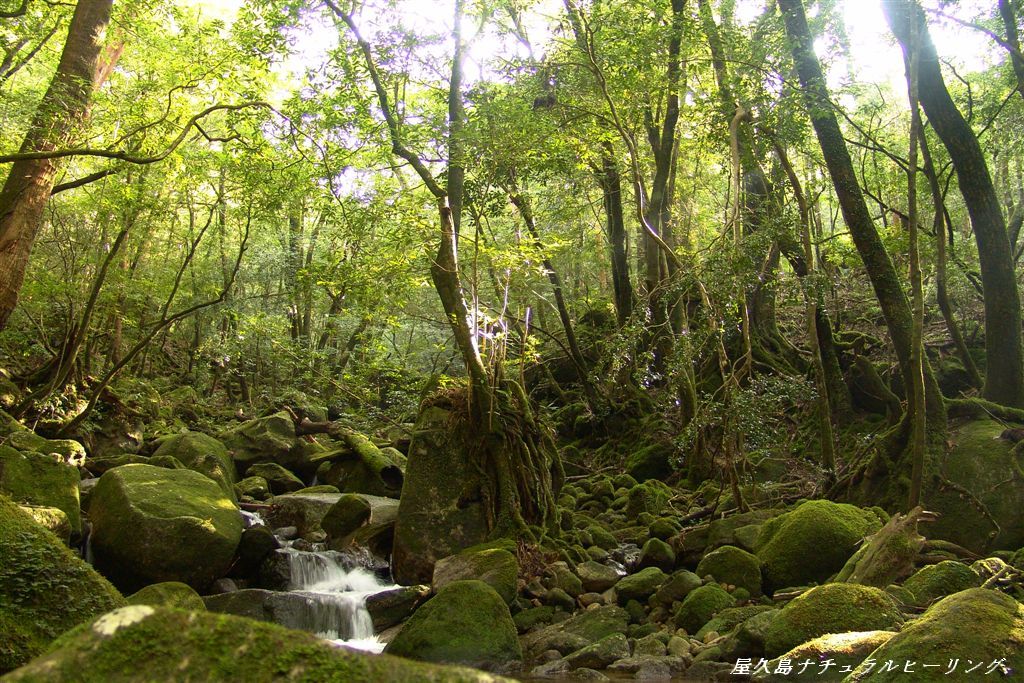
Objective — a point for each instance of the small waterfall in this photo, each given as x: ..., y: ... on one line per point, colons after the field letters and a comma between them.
x: 251, y: 519
x: 335, y: 588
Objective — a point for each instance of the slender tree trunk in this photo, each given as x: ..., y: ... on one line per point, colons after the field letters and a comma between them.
x: 611, y: 188
x: 917, y: 417
x: 523, y: 204
x: 58, y: 118
x: 941, y: 292
x: 880, y: 269
x: 1004, y: 373
x: 1009, y: 15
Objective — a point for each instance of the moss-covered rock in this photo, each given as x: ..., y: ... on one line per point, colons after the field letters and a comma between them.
x: 278, y: 478
x: 204, y: 454
x: 811, y: 542
x: 729, y: 618
x: 734, y: 566
x: 979, y: 463
x: 700, y: 605
x: 844, y: 650
x: 650, y: 496
x: 38, y: 479
x: 467, y: 622
x: 168, y: 594
x: 561, y: 577
x: 496, y: 567
x: 152, y: 524
x: 265, y: 439
x: 52, y: 519
x: 580, y: 630
x: 434, y: 517
x: 19, y: 437
x: 639, y: 586
x: 600, y: 654
x: 45, y: 589
x: 657, y: 553
x: 976, y: 624
x: 596, y: 577
x: 256, y: 488
x: 677, y: 587
x: 141, y: 643
x: 650, y: 462
x: 832, y: 608
x: 939, y: 580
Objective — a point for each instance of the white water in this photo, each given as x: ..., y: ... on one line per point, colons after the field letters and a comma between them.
x: 251, y: 519
x: 336, y: 597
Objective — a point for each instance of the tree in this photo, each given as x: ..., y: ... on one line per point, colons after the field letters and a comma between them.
x: 1004, y: 357
x: 59, y: 117
x: 884, y: 279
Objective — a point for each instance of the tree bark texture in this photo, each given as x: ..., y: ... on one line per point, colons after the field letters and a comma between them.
x: 58, y: 118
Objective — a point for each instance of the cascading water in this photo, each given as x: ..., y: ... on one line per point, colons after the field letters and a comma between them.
x: 335, y: 588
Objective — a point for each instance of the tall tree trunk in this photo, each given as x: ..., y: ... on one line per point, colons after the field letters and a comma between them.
x: 611, y: 189
x: 1004, y: 373
x: 59, y: 116
x: 884, y: 279
x: 1009, y: 15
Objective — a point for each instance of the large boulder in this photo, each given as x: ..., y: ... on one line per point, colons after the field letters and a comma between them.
x: 496, y: 567
x: 700, y: 605
x: 639, y: 586
x: 152, y: 524
x: 812, y: 542
x: 45, y: 589
x: 435, y: 517
x: 467, y: 622
x: 939, y: 580
x: 141, y: 643
x: 976, y: 625
x: 979, y: 463
x: 38, y: 479
x: 832, y: 608
x: 650, y: 462
x: 265, y: 439
x: 734, y: 566
x: 204, y: 454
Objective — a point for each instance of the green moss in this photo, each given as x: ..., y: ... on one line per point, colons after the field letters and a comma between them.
x: 651, y: 496
x: 256, y: 488
x: 280, y: 480
x: 650, y: 462
x: 983, y: 464
x: 976, y: 624
x: 657, y: 553
x: 812, y: 542
x: 38, y: 479
x: 939, y: 580
x: 496, y: 567
x: 467, y: 622
x: 204, y: 454
x: 700, y: 605
x: 832, y: 608
x: 846, y: 650
x: 45, y: 589
x: 169, y: 594
x: 733, y: 566
x: 151, y: 524
x: 729, y: 618
x: 640, y: 586
x: 140, y: 644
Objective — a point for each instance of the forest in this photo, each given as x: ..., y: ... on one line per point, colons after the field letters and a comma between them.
x: 494, y: 340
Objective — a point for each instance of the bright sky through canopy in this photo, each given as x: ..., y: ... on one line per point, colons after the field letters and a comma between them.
x: 875, y: 56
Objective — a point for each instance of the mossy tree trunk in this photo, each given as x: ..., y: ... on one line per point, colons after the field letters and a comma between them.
x: 884, y: 279
x: 1004, y: 373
